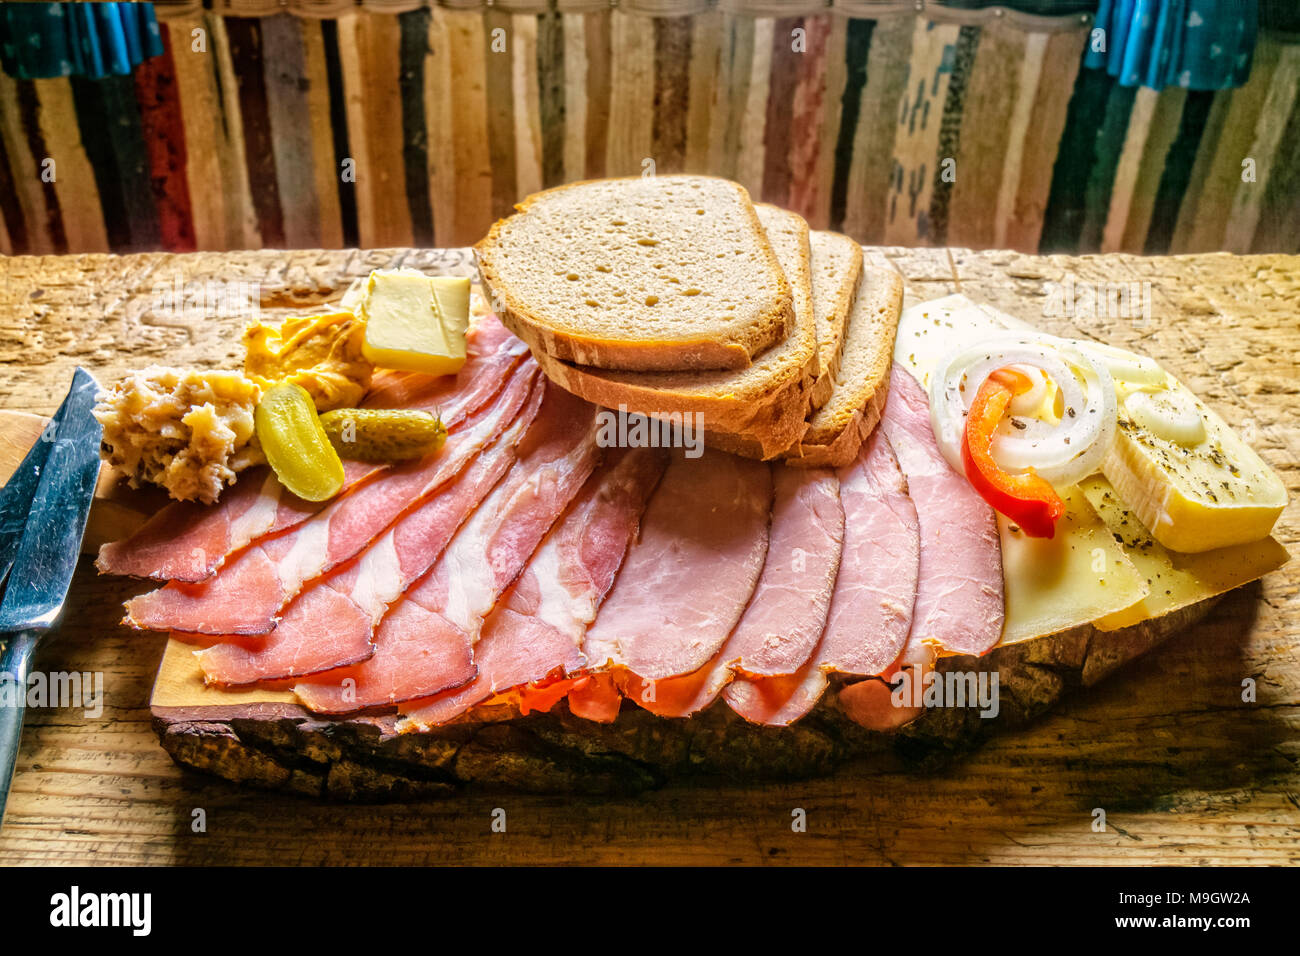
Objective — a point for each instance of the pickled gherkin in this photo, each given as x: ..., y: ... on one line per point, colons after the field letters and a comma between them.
x: 295, y: 444
x: 382, y: 434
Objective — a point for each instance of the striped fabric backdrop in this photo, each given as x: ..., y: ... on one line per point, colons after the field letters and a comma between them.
x: 420, y: 127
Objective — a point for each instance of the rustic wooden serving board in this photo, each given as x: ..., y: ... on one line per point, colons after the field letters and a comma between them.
x: 1185, y: 771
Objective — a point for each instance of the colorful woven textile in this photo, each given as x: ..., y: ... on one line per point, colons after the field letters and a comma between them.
x: 1193, y: 44
x: 93, y: 40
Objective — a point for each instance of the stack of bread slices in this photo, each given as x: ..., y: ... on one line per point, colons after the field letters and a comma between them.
x: 670, y: 296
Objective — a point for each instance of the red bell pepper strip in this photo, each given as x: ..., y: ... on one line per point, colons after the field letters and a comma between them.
x: 1026, y: 499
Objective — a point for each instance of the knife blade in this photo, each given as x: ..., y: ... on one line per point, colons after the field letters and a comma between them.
x: 47, y: 552
x: 17, y: 494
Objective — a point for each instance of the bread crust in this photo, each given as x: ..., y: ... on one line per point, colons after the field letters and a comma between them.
x: 836, y: 441
x: 830, y: 353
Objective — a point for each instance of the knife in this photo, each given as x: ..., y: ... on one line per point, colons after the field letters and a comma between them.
x: 53, y: 489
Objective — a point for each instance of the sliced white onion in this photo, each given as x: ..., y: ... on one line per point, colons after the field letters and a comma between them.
x: 1168, y: 415
x: 1062, y: 453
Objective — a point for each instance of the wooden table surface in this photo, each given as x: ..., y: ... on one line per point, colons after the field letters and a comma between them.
x: 1185, y: 771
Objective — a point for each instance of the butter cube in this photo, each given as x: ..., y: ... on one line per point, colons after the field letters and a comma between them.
x: 415, y: 323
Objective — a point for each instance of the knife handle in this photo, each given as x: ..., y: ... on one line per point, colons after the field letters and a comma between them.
x: 15, y: 662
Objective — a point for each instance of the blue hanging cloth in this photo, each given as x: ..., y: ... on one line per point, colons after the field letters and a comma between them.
x: 1195, y: 44
x: 39, y: 40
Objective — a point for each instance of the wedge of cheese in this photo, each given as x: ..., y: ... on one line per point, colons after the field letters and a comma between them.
x: 1193, y: 483
x: 1079, y: 576
x: 1174, y: 580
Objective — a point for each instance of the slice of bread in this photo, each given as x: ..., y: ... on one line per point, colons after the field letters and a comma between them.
x: 663, y: 273
x: 837, y: 429
x: 765, y: 405
x: 837, y: 266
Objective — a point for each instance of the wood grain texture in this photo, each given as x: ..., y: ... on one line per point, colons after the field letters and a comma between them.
x: 702, y: 99
x: 672, y: 92
x: 242, y: 228
x: 324, y: 171
x: 527, y: 97
x: 439, y: 122
x: 83, y: 216
x: 495, y: 54
x: 630, y: 133
x: 24, y: 169
x: 1186, y: 771
x: 287, y: 86
x: 573, y: 31
x: 753, y: 106
x: 370, y: 52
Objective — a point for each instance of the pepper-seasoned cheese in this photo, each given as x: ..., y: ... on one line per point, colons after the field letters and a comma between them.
x: 1200, y: 496
x: 1175, y: 580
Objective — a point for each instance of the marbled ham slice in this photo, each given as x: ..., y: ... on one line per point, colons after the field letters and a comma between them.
x: 875, y: 591
x: 332, y: 624
x: 247, y: 595
x: 188, y: 541
x: 425, y: 644
x: 536, y: 632
x: 959, y: 605
x: 687, y: 581
x: 783, y: 622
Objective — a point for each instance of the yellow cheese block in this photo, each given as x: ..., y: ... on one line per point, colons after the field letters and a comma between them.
x: 1175, y: 580
x: 1193, y: 496
x: 415, y: 323
x: 1076, y: 577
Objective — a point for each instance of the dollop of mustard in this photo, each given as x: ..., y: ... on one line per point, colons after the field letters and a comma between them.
x: 322, y: 353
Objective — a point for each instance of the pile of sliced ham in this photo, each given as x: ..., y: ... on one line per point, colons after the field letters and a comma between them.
x: 524, y: 563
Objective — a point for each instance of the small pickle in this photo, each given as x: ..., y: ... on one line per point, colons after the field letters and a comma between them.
x: 382, y: 434
x: 296, y: 445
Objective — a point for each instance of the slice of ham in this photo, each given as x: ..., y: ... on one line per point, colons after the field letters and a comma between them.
x: 959, y: 604
x: 787, y: 612
x: 875, y: 591
x: 188, y: 541
x: 425, y: 644
x: 785, y: 618
x: 247, y: 595
x: 959, y: 599
x: 332, y: 623
x: 536, y: 632
x: 687, y: 581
